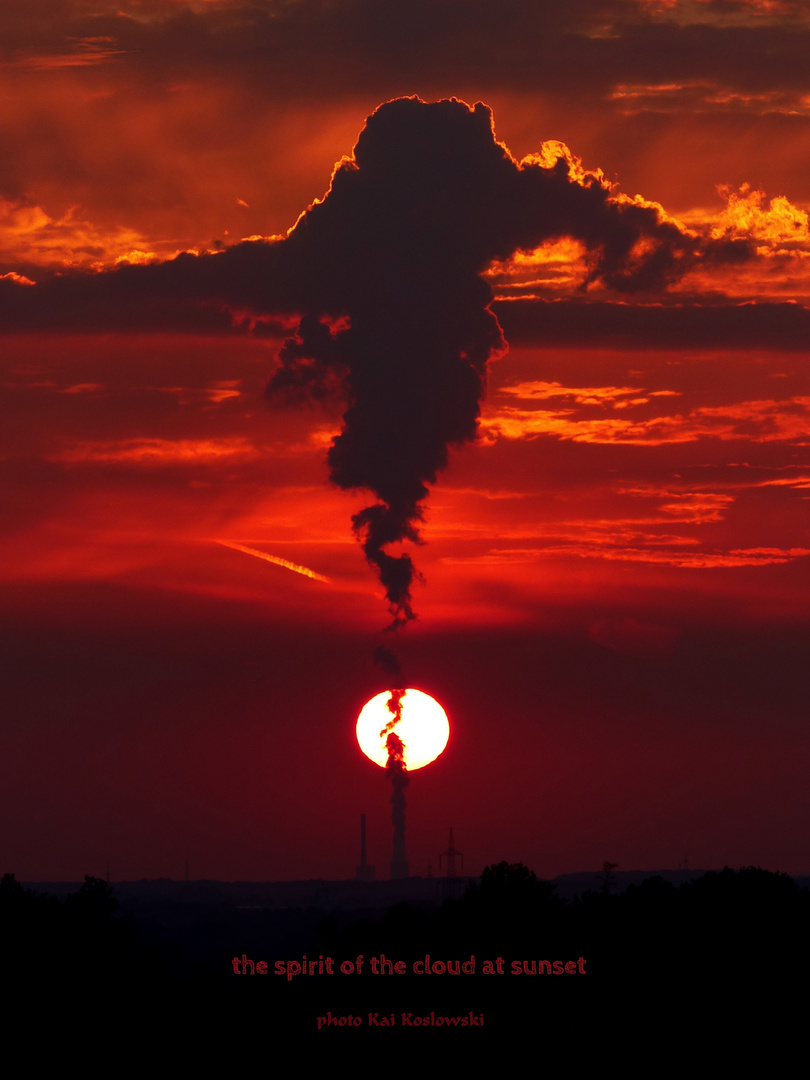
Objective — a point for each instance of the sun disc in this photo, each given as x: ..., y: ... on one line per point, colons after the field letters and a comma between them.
x: 424, y: 728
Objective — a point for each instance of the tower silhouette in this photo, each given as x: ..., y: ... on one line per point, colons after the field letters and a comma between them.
x: 451, y: 885
x: 364, y: 872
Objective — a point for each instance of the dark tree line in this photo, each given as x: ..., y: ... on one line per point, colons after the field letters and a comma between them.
x: 725, y: 924
x: 729, y: 940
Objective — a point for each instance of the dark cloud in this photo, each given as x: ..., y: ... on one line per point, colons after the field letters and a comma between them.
x: 679, y: 325
x: 427, y: 202
x: 385, y: 274
x: 188, y: 108
x: 313, y: 47
x: 108, y: 302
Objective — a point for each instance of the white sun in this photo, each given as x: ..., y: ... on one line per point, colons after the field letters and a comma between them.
x: 423, y: 728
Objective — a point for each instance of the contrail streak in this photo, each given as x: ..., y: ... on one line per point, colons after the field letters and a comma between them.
x: 274, y: 559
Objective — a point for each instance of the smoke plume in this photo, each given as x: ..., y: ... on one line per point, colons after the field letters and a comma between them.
x: 398, y: 775
x: 384, y: 275
x: 427, y: 201
x: 387, y: 660
x: 395, y: 767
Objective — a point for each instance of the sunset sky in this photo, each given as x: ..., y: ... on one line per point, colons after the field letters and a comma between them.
x: 615, y: 561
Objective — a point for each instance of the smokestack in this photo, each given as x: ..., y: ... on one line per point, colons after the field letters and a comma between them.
x: 399, y: 781
x: 364, y: 872
x: 398, y: 775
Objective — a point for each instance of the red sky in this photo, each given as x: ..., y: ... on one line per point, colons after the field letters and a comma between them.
x: 614, y: 608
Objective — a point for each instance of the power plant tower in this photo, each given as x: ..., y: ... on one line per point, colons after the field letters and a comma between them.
x: 399, y: 863
x: 398, y: 775
x: 364, y: 872
x: 399, y: 860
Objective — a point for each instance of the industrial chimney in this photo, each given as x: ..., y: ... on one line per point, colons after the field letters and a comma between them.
x: 364, y: 872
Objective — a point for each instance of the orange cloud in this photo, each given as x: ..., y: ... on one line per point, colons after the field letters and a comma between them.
x: 20, y: 279
x: 778, y: 229
x: 80, y: 52
x: 780, y: 233
x: 696, y: 560
x: 556, y: 266
x: 696, y: 507
x: 709, y: 536
x: 748, y: 214
x: 29, y: 235
x: 756, y: 421
x: 215, y: 394
x: 591, y: 395
x: 802, y: 483
x: 157, y: 452
x: 82, y: 388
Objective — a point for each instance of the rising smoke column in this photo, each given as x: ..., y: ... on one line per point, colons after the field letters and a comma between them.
x: 413, y: 359
x: 384, y: 275
x: 398, y: 775
x: 395, y: 767
x: 428, y: 200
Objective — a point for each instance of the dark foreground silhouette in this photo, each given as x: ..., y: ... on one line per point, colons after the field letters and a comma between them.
x: 532, y: 965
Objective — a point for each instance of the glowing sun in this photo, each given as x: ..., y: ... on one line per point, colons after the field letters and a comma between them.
x: 423, y: 729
